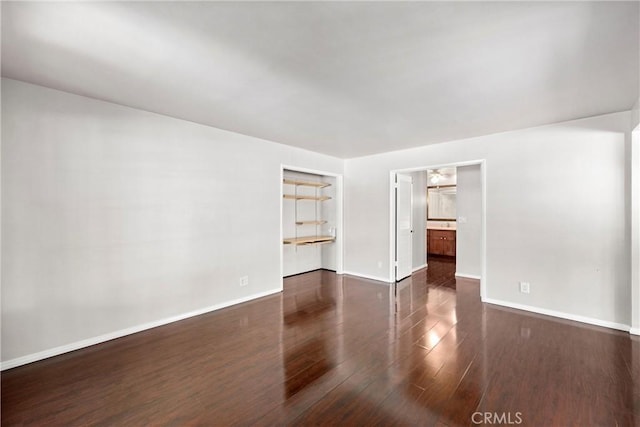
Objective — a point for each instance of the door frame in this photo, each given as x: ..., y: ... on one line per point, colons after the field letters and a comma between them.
x: 635, y: 230
x: 392, y: 216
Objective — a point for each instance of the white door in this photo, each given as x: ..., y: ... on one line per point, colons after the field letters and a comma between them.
x: 404, y: 232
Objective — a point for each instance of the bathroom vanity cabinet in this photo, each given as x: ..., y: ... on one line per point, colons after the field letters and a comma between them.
x: 441, y: 242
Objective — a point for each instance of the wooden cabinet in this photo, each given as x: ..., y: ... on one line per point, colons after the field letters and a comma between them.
x: 441, y: 242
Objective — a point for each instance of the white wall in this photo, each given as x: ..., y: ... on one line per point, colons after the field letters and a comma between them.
x: 114, y: 218
x: 328, y: 212
x: 545, y: 224
x: 419, y: 218
x: 635, y: 114
x: 469, y: 223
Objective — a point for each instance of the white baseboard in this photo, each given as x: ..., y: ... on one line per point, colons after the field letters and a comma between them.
x: 123, y: 332
x: 634, y: 331
x: 468, y: 276
x: 419, y: 268
x: 367, y: 276
x: 560, y: 314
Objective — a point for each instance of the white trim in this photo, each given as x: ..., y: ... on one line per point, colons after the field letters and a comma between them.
x: 34, y: 357
x: 367, y: 276
x: 439, y: 166
x: 392, y: 226
x: 281, y: 246
x: 634, y: 331
x: 560, y: 314
x: 468, y: 276
x: 419, y: 268
x: 311, y: 171
x: 339, y: 224
x: 311, y: 271
x: 634, y: 228
x: 483, y: 230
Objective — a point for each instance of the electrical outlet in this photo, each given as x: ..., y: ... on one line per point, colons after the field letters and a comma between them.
x: 244, y: 280
x: 524, y: 287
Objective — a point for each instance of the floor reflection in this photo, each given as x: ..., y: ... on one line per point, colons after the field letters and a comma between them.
x: 341, y: 350
x: 400, y: 341
x: 426, y: 351
x: 306, y: 305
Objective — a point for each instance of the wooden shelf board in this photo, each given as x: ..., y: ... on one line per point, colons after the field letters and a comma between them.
x: 306, y: 183
x: 310, y: 222
x: 307, y: 240
x: 299, y: 197
x: 326, y: 242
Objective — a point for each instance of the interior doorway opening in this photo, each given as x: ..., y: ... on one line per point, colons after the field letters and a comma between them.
x: 438, y: 231
x: 441, y: 216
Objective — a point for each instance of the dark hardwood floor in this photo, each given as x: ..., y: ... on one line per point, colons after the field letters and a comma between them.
x: 334, y: 350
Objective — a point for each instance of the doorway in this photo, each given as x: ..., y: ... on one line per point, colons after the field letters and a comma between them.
x: 398, y: 252
x: 441, y: 211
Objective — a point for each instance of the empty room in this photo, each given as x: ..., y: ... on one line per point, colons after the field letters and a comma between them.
x: 320, y: 213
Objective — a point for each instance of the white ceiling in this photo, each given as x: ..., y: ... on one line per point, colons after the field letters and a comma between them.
x: 342, y: 78
x: 443, y: 171
x: 448, y: 176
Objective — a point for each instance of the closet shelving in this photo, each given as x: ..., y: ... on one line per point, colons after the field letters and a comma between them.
x: 317, y: 238
x: 306, y: 183
x: 308, y: 240
x: 319, y: 222
x: 301, y: 197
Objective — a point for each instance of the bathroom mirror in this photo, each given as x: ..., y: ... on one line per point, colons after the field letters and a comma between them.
x: 441, y: 203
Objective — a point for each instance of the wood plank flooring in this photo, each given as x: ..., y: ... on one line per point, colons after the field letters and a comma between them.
x: 339, y: 350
